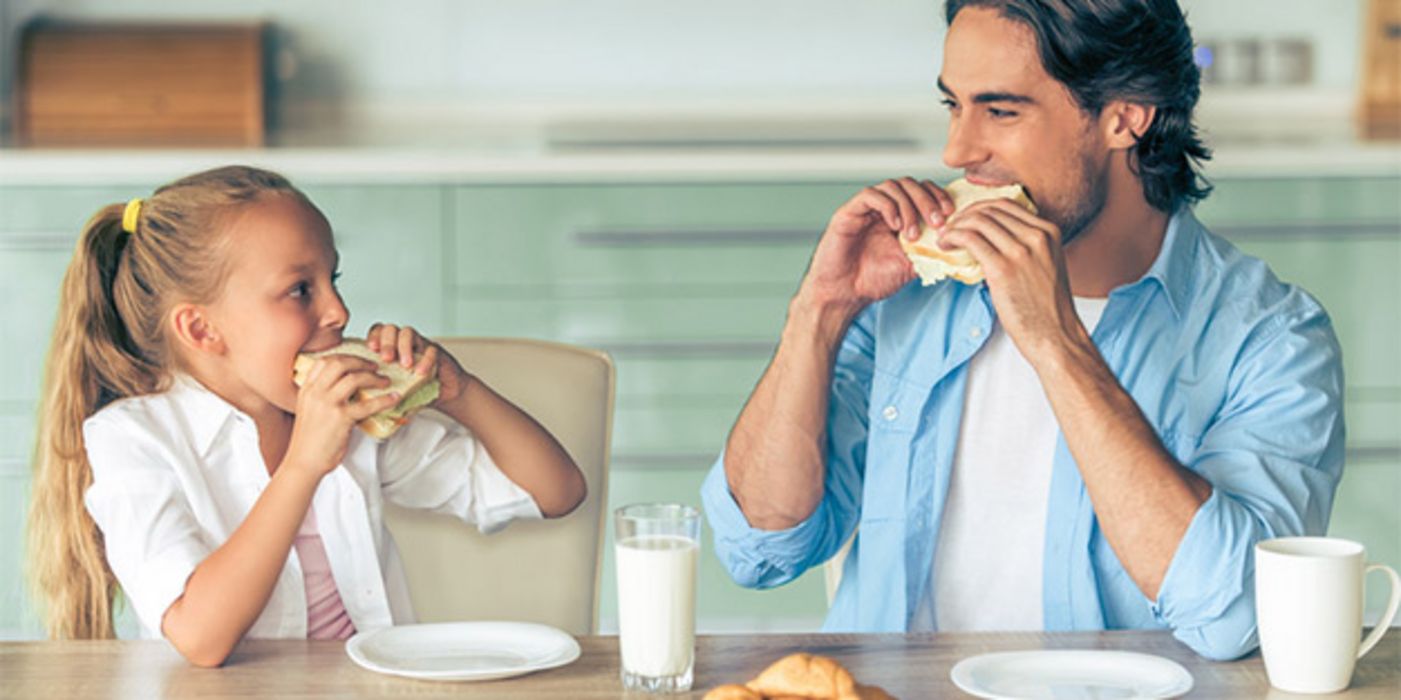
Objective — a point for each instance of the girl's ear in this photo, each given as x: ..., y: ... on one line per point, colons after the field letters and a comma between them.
x: 1125, y: 122
x: 195, y: 331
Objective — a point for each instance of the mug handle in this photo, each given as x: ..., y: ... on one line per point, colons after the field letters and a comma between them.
x: 1385, y: 622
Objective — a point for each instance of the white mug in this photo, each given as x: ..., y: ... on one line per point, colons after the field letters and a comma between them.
x: 1308, y: 603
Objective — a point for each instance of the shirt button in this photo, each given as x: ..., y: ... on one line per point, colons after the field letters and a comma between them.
x: 975, y: 332
x: 890, y: 413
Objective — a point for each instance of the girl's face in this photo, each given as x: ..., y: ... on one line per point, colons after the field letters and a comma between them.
x: 280, y: 298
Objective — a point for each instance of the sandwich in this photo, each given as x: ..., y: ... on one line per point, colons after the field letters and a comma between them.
x: 933, y: 263
x: 416, y: 391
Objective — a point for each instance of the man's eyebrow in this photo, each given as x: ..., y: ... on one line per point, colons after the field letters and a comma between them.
x: 986, y: 97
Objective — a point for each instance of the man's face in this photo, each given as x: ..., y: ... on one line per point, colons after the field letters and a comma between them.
x: 1010, y: 121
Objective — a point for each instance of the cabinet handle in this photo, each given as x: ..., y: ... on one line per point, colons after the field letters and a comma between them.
x: 1370, y: 453
x: 15, y: 467
x: 662, y: 461
x: 1310, y: 229
x: 682, y: 348
x: 26, y: 241
x: 698, y: 238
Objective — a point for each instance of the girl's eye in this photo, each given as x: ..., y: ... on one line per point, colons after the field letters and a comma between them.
x: 300, y: 291
x: 335, y: 277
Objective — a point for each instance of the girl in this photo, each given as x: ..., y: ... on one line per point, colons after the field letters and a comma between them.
x: 178, y: 460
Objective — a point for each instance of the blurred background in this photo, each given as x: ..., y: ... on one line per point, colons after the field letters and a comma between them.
x: 648, y: 177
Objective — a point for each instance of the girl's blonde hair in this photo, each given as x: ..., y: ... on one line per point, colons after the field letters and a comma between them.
x: 110, y: 342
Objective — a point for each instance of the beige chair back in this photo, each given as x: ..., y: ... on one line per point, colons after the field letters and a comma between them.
x: 832, y: 570
x: 545, y: 572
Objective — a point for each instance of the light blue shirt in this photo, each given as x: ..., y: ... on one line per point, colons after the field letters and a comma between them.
x: 1239, y: 374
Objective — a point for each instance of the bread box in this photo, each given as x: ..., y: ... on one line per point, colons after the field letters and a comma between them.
x: 1380, y: 110
x: 140, y: 85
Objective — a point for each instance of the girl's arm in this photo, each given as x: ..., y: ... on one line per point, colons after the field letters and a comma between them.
x: 521, y: 448
x: 229, y: 589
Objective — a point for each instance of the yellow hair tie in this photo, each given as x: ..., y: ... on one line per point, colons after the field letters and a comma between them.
x: 130, y: 215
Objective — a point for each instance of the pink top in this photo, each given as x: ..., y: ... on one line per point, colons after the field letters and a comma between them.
x: 326, y: 617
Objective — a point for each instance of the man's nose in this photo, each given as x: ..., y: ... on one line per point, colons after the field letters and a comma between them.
x: 965, y: 147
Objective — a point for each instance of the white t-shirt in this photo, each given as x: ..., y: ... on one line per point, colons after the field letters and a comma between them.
x: 987, y: 561
x: 175, y: 473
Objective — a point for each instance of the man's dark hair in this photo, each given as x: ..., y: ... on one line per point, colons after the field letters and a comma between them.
x: 1134, y: 50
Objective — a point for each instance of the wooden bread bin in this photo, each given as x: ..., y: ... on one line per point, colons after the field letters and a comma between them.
x: 1380, y: 108
x: 140, y: 85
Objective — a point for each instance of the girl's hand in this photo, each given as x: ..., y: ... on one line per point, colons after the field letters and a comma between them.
x: 325, y: 415
x: 404, y: 344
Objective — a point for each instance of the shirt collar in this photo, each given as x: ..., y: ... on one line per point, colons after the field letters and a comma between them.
x: 1172, y: 269
x: 205, y: 413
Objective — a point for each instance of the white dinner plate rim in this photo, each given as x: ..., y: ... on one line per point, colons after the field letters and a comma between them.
x: 568, y: 651
x: 961, y: 672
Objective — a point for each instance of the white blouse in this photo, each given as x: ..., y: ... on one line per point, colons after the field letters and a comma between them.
x: 175, y: 473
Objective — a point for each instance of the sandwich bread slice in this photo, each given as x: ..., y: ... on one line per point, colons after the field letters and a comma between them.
x: 416, y: 391
x: 933, y: 263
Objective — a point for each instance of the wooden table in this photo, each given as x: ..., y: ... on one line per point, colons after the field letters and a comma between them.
x: 909, y: 666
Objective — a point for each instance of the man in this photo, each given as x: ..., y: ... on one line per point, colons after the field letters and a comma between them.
x: 1096, y: 436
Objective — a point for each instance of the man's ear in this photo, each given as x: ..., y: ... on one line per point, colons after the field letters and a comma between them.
x: 193, y: 329
x: 1124, y: 123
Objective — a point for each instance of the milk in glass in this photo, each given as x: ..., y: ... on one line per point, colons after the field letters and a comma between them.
x: 656, y: 604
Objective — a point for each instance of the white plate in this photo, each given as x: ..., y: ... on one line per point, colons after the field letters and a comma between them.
x: 462, y: 651
x: 1071, y: 675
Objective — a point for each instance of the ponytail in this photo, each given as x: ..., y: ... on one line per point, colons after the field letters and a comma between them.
x: 90, y: 363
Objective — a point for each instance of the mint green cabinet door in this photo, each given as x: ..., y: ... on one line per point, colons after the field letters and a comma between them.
x: 1266, y: 202
x: 39, y: 227
x: 1340, y: 239
x: 59, y: 209
x: 1354, y: 277
x: 31, y: 270
x: 390, y: 240
x: 675, y: 237
x: 641, y: 320
x: 1367, y: 510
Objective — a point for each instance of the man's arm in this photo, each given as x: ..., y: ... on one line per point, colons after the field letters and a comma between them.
x: 774, y: 458
x: 1144, y: 500
x: 1267, y: 465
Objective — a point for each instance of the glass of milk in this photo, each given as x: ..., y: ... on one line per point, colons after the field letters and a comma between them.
x: 656, y: 546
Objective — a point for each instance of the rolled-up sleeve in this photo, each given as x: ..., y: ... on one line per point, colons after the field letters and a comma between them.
x: 757, y: 558
x: 151, y: 536
x: 434, y: 463
x: 1274, y: 456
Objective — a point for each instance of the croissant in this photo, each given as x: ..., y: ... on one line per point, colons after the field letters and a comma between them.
x: 800, y: 677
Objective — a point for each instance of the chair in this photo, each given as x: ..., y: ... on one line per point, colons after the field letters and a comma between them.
x: 545, y: 572
x: 832, y: 570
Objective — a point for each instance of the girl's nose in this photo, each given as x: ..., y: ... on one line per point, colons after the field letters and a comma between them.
x: 335, y: 315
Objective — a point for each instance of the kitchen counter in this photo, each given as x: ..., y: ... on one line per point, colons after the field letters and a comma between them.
x: 688, y: 141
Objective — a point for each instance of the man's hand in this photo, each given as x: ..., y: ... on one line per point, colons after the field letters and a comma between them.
x: 859, y: 259
x: 1024, y: 265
